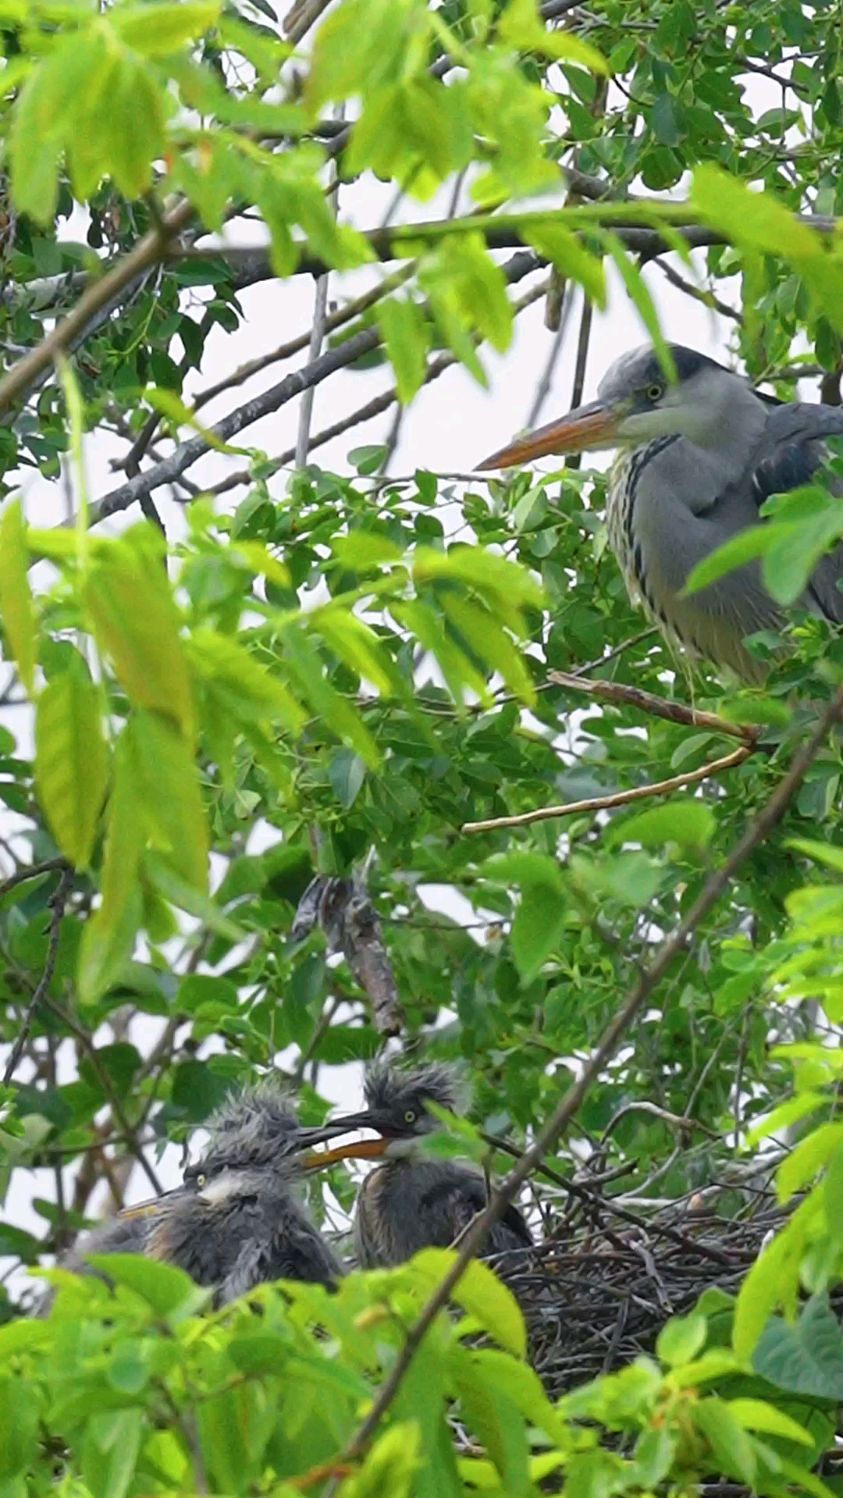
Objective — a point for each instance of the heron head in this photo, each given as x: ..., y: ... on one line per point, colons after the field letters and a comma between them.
x: 397, y: 1109
x: 256, y: 1144
x: 636, y: 402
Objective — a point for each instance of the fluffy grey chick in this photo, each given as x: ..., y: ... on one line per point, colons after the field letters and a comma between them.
x: 409, y: 1203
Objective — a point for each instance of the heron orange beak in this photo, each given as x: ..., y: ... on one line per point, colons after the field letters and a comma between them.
x: 362, y: 1149
x: 591, y: 426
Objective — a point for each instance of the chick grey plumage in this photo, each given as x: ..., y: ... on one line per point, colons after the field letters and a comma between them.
x: 409, y: 1203
x: 698, y: 458
x: 235, y: 1222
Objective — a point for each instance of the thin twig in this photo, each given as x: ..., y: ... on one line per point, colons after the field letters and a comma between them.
x: 618, y: 798
x: 57, y: 903
x: 546, y: 1139
x: 33, y: 871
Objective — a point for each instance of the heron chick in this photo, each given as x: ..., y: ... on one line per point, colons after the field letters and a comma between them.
x: 698, y: 457
x: 236, y: 1221
x: 408, y: 1202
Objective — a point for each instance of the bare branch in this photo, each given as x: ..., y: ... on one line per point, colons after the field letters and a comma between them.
x: 618, y: 798
x: 716, y: 885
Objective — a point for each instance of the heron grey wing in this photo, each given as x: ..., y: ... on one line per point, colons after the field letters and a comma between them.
x: 794, y: 448
x: 247, y: 1271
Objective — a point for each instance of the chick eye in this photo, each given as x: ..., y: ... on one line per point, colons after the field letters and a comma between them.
x: 655, y: 392
x: 410, y: 1116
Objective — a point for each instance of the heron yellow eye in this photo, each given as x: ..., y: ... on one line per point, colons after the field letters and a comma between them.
x: 655, y: 392
x: 410, y: 1116
x: 200, y: 1182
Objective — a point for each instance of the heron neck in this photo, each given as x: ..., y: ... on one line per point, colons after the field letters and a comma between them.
x: 723, y: 438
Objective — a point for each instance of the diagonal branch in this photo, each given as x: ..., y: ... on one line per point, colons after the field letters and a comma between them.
x: 547, y: 1137
x: 617, y: 798
x: 15, y: 385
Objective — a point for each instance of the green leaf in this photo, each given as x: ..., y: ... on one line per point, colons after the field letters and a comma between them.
x: 758, y: 1414
x: 730, y: 1445
x: 167, y: 796
x: 520, y: 27
x: 496, y: 1422
x: 807, y: 1159
x: 833, y: 1195
x: 169, y: 1291
x: 524, y: 868
x: 109, y: 936
x: 390, y: 1465
x: 71, y: 761
x: 689, y: 823
x: 505, y: 582
x: 18, y: 1425
x: 744, y: 547
x: 805, y: 1358
x: 337, y: 714
x: 827, y: 853
x: 180, y: 892
x: 565, y: 251
x: 133, y: 127
x: 362, y: 550
x: 749, y: 218
x: 538, y: 926
x: 681, y: 1339
x: 773, y: 1279
x: 252, y: 694
x: 47, y: 114
x: 16, y: 603
x: 490, y: 644
x: 160, y: 28
x: 136, y: 623
x: 643, y: 303
x: 406, y: 333
x: 479, y: 1293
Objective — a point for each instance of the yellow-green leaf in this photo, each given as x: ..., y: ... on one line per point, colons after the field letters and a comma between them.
x: 166, y: 784
x: 407, y: 337
x: 522, y: 28
x: 136, y: 623
x: 480, y: 1294
x: 109, y: 936
x: 158, y: 29
x: 71, y: 762
x: 16, y: 596
x: 566, y: 252
x: 754, y: 219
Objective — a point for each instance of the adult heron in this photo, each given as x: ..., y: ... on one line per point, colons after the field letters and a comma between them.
x: 697, y: 459
x: 235, y: 1221
x: 408, y: 1202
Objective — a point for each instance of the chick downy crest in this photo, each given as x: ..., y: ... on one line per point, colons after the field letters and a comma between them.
x: 400, y: 1097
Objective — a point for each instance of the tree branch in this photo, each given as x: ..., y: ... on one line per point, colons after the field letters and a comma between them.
x: 548, y: 1136
x: 617, y: 798
x: 648, y: 702
x: 15, y: 385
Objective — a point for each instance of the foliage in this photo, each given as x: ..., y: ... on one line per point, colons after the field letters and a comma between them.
x: 310, y: 665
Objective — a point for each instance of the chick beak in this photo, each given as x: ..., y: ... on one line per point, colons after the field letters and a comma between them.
x: 360, y: 1149
x: 591, y: 426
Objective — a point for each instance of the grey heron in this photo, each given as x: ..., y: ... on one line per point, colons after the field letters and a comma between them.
x: 408, y: 1202
x: 697, y: 459
x: 235, y: 1221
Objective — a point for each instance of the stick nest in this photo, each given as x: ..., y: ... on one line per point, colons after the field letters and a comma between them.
x: 596, y: 1294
